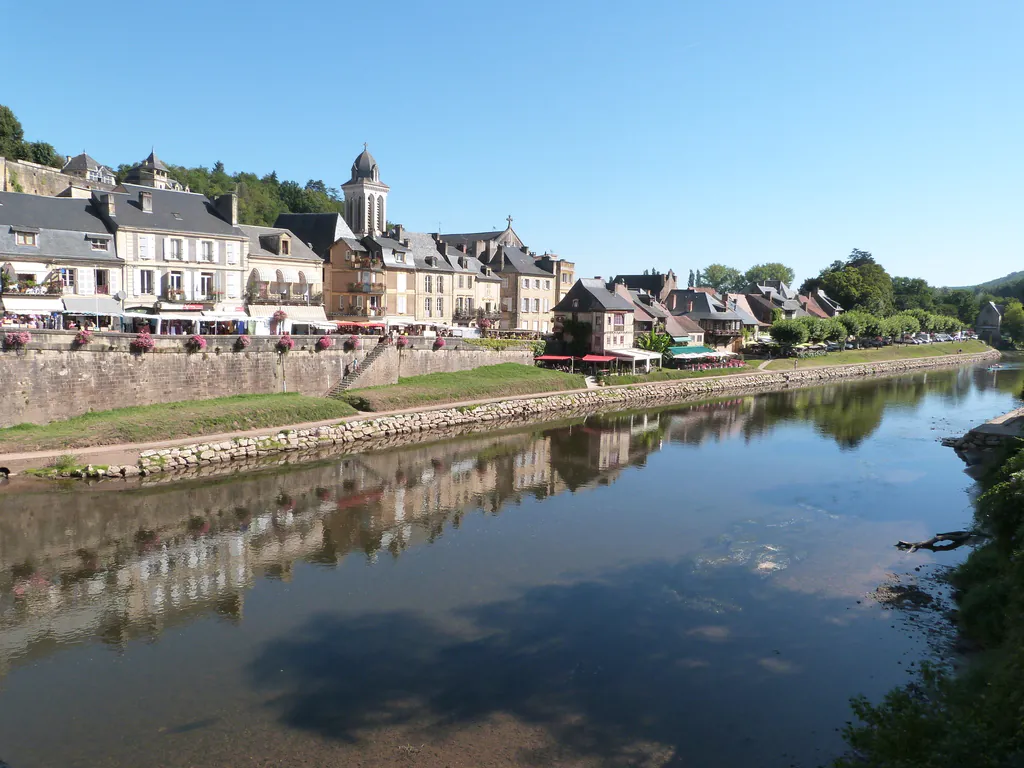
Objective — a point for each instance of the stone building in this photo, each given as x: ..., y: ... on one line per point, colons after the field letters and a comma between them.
x: 564, y: 272
x: 152, y: 172
x: 284, y: 273
x: 57, y: 255
x: 657, y: 284
x: 483, y: 244
x: 476, y: 289
x: 723, y: 327
x: 366, y: 197
x: 989, y: 324
x: 182, y: 252
x: 608, y: 315
x: 526, y: 290
x: 84, y: 167
x: 373, y: 280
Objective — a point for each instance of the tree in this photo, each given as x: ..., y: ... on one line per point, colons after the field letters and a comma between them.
x: 833, y: 330
x: 912, y: 293
x: 655, y: 342
x: 854, y: 322
x: 44, y: 154
x: 777, y: 314
x: 1013, y: 321
x: 722, y: 278
x: 815, y: 327
x: 858, y: 283
x: 773, y: 270
x: 691, y: 283
x: 789, y: 332
x: 12, y: 136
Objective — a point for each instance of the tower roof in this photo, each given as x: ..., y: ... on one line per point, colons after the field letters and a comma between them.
x: 365, y: 167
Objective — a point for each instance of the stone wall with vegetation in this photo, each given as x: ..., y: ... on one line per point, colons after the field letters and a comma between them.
x: 51, y: 379
x: 489, y: 415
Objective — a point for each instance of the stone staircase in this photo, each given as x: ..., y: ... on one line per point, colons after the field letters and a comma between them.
x: 349, y: 380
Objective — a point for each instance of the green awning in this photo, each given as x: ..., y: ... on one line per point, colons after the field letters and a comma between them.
x: 690, y: 351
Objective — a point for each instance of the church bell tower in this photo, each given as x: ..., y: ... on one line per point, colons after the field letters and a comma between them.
x: 366, y: 197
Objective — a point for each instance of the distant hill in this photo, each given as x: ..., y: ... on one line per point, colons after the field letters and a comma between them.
x: 992, y: 285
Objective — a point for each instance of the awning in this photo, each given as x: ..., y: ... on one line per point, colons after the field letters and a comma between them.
x: 635, y: 354
x: 684, y: 352
x: 552, y: 357
x: 310, y: 314
x: 178, y: 316
x: 101, y: 305
x: 597, y: 358
x: 33, y: 305
x: 264, y: 275
x: 287, y: 275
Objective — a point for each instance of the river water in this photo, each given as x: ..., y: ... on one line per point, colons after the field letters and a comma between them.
x: 684, y: 586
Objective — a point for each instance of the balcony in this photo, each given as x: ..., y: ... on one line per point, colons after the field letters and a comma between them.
x: 365, y: 312
x: 722, y: 331
x: 284, y: 300
x: 366, y: 287
x: 31, y: 289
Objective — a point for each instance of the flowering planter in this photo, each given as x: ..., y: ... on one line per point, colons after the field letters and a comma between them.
x: 352, y: 343
x: 82, y: 338
x: 142, y: 343
x: 439, y: 343
x: 242, y: 342
x: 195, y: 343
x: 324, y: 342
x: 285, y: 343
x: 403, y: 342
x: 17, y: 339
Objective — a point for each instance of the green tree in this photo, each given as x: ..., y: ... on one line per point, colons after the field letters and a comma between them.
x: 815, y: 327
x: 789, y: 332
x: 777, y: 314
x: 655, y: 342
x: 12, y: 135
x: 1013, y: 321
x: 44, y: 154
x: 833, y: 330
x: 912, y: 293
x: 854, y: 322
x: 772, y: 270
x: 722, y: 278
x: 858, y: 283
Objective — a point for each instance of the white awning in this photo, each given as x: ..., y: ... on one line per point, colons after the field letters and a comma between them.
x: 634, y: 354
x: 264, y: 275
x: 287, y: 275
x: 176, y: 315
x: 33, y: 305
x: 101, y: 305
x: 301, y: 314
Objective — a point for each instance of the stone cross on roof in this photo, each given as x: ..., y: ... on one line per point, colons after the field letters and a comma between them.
x: 509, y: 220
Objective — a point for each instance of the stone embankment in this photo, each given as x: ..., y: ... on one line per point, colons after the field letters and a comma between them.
x: 985, y: 443
x: 371, y: 430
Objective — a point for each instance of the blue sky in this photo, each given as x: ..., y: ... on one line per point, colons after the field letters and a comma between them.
x: 621, y: 135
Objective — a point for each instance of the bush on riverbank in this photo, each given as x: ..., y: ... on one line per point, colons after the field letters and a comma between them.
x: 894, y: 352
x: 670, y: 374
x: 977, y: 717
x: 505, y: 379
x: 166, y: 421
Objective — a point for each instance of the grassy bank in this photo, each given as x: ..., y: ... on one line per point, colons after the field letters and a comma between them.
x: 506, y: 379
x: 977, y: 717
x: 167, y: 421
x: 670, y: 374
x: 882, y: 354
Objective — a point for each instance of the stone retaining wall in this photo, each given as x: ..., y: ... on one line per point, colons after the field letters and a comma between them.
x: 489, y: 415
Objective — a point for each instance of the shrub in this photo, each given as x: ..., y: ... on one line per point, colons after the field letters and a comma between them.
x: 285, y: 343
x: 403, y: 342
x: 242, y: 342
x: 142, y: 343
x: 195, y: 343
x: 438, y: 343
x: 789, y: 332
x: 82, y: 338
x: 280, y: 316
x: 324, y: 342
x: 352, y: 343
x: 17, y: 339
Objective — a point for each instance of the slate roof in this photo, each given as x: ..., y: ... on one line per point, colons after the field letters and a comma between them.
x: 259, y: 240
x: 743, y: 309
x: 812, y: 307
x: 473, y: 265
x: 363, y: 166
x: 510, y: 260
x: 650, y: 283
x: 318, y: 230
x: 465, y: 238
x: 385, y: 247
x: 62, y: 224
x: 681, y: 325
x: 705, y: 306
x: 591, y: 295
x: 83, y: 162
x: 654, y: 309
x: 173, y: 211
x: 424, y: 251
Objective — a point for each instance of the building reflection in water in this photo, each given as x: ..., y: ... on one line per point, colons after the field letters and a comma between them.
x: 119, y: 565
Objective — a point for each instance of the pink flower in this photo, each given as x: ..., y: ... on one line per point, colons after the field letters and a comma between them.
x: 285, y: 343
x: 324, y: 342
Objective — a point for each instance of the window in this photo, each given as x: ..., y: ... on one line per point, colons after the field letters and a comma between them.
x: 145, y: 247
x: 206, y: 251
x: 341, y: 303
x: 177, y: 250
x: 526, y: 282
x: 400, y: 284
x: 575, y: 303
x: 536, y: 305
x: 565, y: 278
x: 526, y: 305
x: 174, y: 281
x: 469, y: 281
x: 440, y: 306
x: 620, y: 320
x: 27, y: 238
x: 401, y: 305
x: 461, y: 279
x: 428, y: 284
x: 536, y: 284
x: 146, y: 281
x: 400, y: 257
x: 67, y: 279
x: 544, y: 327
x: 469, y: 305
x: 536, y: 325
x: 547, y: 305
x: 426, y: 306
x: 99, y: 243
x: 286, y: 247
x: 458, y: 305
x: 504, y: 282
x: 440, y: 284
x: 547, y: 285
x: 206, y: 284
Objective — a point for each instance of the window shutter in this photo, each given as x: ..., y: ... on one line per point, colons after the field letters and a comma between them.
x: 151, y: 246
x: 114, y: 280
x: 216, y: 251
x: 85, y: 282
x: 234, y: 280
x: 167, y: 249
x: 232, y: 252
x: 136, y: 281
x: 193, y: 289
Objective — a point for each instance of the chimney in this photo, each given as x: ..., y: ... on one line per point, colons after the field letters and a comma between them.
x: 462, y: 247
x: 406, y: 242
x: 399, y: 233
x: 67, y: 159
x: 146, y: 201
x: 227, y: 207
x: 107, y: 205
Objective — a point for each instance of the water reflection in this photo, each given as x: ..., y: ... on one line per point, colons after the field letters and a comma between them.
x: 124, y: 565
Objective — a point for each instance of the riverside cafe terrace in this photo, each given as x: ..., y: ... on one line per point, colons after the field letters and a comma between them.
x: 685, y: 358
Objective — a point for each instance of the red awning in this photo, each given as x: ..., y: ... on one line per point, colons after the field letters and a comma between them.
x: 552, y: 357
x: 597, y: 358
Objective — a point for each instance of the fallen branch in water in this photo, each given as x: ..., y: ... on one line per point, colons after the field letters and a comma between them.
x: 955, y: 539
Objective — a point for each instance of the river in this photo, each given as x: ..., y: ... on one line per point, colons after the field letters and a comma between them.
x: 685, y: 586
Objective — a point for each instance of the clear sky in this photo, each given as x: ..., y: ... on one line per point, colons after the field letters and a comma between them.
x: 622, y: 135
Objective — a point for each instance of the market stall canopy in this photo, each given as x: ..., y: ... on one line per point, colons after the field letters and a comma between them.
x: 552, y: 357
x: 635, y: 354
x: 302, y: 314
x: 100, y: 305
x: 34, y: 305
x: 598, y: 358
x: 691, y: 352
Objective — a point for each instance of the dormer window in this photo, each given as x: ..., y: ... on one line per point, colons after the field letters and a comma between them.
x: 30, y: 239
x: 285, y: 247
x: 575, y: 303
x: 99, y: 243
x: 400, y: 257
